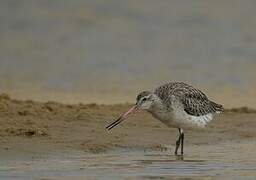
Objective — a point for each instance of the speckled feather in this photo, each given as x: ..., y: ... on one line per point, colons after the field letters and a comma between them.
x: 194, y: 101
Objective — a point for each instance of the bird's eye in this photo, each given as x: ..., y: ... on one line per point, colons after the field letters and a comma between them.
x: 144, y: 99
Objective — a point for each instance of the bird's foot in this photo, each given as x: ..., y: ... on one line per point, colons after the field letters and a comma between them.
x: 176, y: 153
x: 179, y: 157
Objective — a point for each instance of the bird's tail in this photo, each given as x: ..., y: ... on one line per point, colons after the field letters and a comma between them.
x: 217, y: 107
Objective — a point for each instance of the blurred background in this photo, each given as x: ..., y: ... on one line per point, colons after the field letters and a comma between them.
x: 107, y: 51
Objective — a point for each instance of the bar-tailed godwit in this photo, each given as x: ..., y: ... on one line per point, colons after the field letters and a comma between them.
x: 177, y: 105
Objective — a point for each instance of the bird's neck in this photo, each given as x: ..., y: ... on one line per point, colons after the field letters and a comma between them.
x: 157, y: 106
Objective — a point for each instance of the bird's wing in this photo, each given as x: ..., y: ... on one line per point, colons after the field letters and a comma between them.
x: 194, y: 101
x: 196, y: 105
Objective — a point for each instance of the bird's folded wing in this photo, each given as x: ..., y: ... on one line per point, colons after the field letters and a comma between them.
x: 199, y: 105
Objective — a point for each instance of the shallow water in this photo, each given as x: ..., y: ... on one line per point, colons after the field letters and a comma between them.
x: 107, y: 52
x: 222, y: 162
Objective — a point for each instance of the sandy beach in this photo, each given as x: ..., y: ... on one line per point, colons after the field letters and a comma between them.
x: 70, y: 68
x: 35, y: 131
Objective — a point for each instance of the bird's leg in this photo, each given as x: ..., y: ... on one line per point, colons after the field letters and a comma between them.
x: 178, y: 142
x: 177, y: 146
x: 182, y: 141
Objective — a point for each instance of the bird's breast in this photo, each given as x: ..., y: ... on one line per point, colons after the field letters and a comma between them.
x: 165, y: 116
x: 176, y: 117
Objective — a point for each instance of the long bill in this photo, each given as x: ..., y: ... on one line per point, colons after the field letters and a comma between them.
x: 121, y: 118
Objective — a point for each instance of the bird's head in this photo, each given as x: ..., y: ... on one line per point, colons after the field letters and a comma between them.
x: 145, y: 100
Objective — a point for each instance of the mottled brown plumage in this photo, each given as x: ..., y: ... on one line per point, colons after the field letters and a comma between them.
x: 195, y: 102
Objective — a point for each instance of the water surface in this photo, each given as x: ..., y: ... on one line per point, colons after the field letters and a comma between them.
x: 222, y: 162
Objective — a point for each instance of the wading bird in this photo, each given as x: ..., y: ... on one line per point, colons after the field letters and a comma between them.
x: 177, y: 105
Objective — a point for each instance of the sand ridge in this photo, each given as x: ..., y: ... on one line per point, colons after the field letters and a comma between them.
x: 82, y: 127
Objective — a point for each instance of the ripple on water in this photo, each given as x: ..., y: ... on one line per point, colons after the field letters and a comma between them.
x: 137, y: 165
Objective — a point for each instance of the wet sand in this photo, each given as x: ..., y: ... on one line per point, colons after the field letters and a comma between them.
x: 57, y: 141
x: 222, y: 161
